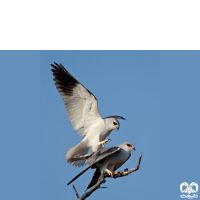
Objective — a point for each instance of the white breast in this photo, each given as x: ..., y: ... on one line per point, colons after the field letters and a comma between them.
x: 96, y: 134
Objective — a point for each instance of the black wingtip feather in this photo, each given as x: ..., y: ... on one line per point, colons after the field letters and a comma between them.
x: 63, y: 79
x: 116, y: 116
x: 78, y: 175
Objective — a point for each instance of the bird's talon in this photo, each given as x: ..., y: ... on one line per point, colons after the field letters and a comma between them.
x: 103, y: 142
x: 109, y: 172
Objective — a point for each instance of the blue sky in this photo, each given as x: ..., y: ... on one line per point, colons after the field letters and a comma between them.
x: 156, y: 91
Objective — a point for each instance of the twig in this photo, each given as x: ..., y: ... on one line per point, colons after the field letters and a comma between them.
x: 102, y: 180
x: 76, y: 192
x: 95, y: 187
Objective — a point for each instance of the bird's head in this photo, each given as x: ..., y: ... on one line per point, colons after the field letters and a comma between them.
x: 127, y: 146
x: 113, y: 123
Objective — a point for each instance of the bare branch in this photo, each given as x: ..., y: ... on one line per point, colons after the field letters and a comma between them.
x: 95, y: 187
x: 102, y: 180
x: 76, y: 192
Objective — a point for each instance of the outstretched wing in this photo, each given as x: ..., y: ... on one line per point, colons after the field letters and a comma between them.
x: 80, y: 103
x: 118, y: 165
x: 96, y: 157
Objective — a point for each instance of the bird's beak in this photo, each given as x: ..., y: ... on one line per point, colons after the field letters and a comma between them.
x: 117, y: 127
x: 133, y: 148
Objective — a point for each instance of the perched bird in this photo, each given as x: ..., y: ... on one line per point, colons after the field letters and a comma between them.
x: 109, y: 159
x: 82, y: 110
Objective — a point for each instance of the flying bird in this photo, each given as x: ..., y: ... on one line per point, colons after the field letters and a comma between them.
x: 82, y: 110
x: 108, y: 159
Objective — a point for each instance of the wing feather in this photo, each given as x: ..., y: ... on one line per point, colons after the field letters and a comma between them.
x: 81, y: 105
x: 101, y: 154
x: 96, y: 157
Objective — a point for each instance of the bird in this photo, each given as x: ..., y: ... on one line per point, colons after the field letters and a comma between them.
x: 108, y: 159
x: 82, y: 109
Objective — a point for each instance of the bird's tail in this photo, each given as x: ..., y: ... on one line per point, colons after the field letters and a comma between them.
x: 78, y: 150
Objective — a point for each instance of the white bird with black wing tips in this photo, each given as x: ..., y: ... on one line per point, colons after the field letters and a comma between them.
x: 109, y: 159
x: 82, y: 110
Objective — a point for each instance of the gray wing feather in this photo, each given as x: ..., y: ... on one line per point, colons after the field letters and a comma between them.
x: 81, y: 157
x: 101, y: 154
x: 96, y: 157
x: 81, y: 161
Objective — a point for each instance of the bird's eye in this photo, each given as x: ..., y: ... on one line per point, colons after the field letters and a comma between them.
x: 129, y: 145
x: 114, y: 123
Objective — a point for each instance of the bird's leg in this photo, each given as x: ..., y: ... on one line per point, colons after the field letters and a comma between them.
x: 109, y: 172
x: 103, y: 142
